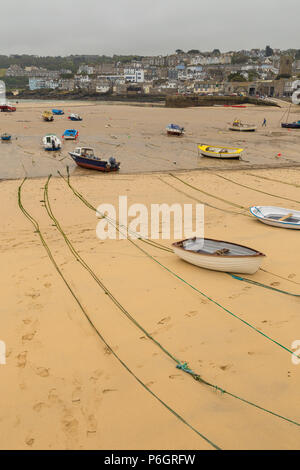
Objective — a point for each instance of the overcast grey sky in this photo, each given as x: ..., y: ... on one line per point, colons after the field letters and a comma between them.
x: 61, y: 27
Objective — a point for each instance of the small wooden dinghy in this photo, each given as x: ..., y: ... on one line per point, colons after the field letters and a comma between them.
x: 277, y: 216
x: 219, y: 255
x: 237, y: 125
x: 219, y: 152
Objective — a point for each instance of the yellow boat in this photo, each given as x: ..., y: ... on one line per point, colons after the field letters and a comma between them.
x: 47, y: 116
x: 219, y: 152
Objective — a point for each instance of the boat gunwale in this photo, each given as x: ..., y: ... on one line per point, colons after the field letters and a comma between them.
x: 180, y: 243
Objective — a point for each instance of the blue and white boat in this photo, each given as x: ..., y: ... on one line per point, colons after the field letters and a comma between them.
x: 5, y: 137
x: 85, y: 158
x: 57, y: 112
x: 277, y: 216
x: 75, y: 117
x: 70, y: 134
x: 174, y: 129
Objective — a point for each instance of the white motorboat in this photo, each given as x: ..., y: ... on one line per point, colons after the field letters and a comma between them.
x: 219, y: 255
x: 51, y: 142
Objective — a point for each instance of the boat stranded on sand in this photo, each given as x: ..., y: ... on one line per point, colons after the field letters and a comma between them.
x: 85, y: 158
x: 277, y: 216
x: 5, y: 137
x: 70, y: 134
x: 291, y: 125
x: 174, y: 129
x: 237, y: 125
x: 7, y: 108
x: 57, y: 112
x: 75, y: 117
x: 219, y: 255
x: 47, y: 116
x: 219, y: 152
x: 51, y: 143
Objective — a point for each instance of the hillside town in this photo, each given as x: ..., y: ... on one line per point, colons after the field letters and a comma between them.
x: 255, y: 72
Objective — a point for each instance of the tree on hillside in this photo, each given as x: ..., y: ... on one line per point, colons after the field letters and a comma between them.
x: 269, y: 51
x: 193, y: 51
x: 236, y: 77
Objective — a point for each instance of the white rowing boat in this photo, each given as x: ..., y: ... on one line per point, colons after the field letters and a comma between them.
x: 237, y: 125
x: 277, y: 216
x: 219, y: 152
x: 219, y: 255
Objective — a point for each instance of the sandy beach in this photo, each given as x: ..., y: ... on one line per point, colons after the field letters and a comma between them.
x: 62, y: 386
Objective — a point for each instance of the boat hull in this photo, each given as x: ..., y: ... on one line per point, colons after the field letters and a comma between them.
x: 98, y: 165
x: 242, y: 129
x: 220, y: 155
x: 290, y: 126
x: 242, y: 264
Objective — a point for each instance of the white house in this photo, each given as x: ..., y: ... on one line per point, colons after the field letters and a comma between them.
x: 134, y: 75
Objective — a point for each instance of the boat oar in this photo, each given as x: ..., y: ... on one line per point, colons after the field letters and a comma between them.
x: 285, y: 217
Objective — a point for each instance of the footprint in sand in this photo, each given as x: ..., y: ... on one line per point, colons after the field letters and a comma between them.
x: 22, y: 359
x: 28, y: 337
x: 92, y: 425
x: 192, y: 313
x: 164, y: 320
x: 109, y: 390
x: 38, y: 407
x: 76, y: 398
x: 70, y: 424
x: 29, y: 441
x: 291, y: 276
x: 42, y: 372
x: 175, y: 377
x: 274, y: 284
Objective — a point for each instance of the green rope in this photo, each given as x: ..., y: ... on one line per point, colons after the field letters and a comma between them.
x: 259, y: 284
x: 272, y: 179
x: 45, y: 245
x: 257, y: 190
x: 209, y: 194
x: 203, y: 202
x: 184, y: 367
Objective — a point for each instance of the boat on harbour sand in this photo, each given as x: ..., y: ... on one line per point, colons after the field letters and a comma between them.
x: 219, y: 255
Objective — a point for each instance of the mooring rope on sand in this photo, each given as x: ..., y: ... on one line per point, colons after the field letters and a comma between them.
x: 49, y: 253
x: 273, y: 179
x: 260, y: 284
x: 184, y: 367
x: 254, y: 189
x: 209, y: 194
x: 203, y: 202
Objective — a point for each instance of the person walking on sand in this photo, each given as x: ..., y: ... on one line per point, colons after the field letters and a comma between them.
x: 264, y: 124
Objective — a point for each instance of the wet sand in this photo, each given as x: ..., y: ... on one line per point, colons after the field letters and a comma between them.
x: 136, y: 136
x: 62, y: 387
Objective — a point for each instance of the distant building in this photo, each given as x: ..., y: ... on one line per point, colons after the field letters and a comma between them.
x: 134, y: 75
x: 40, y: 83
x: 286, y: 65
